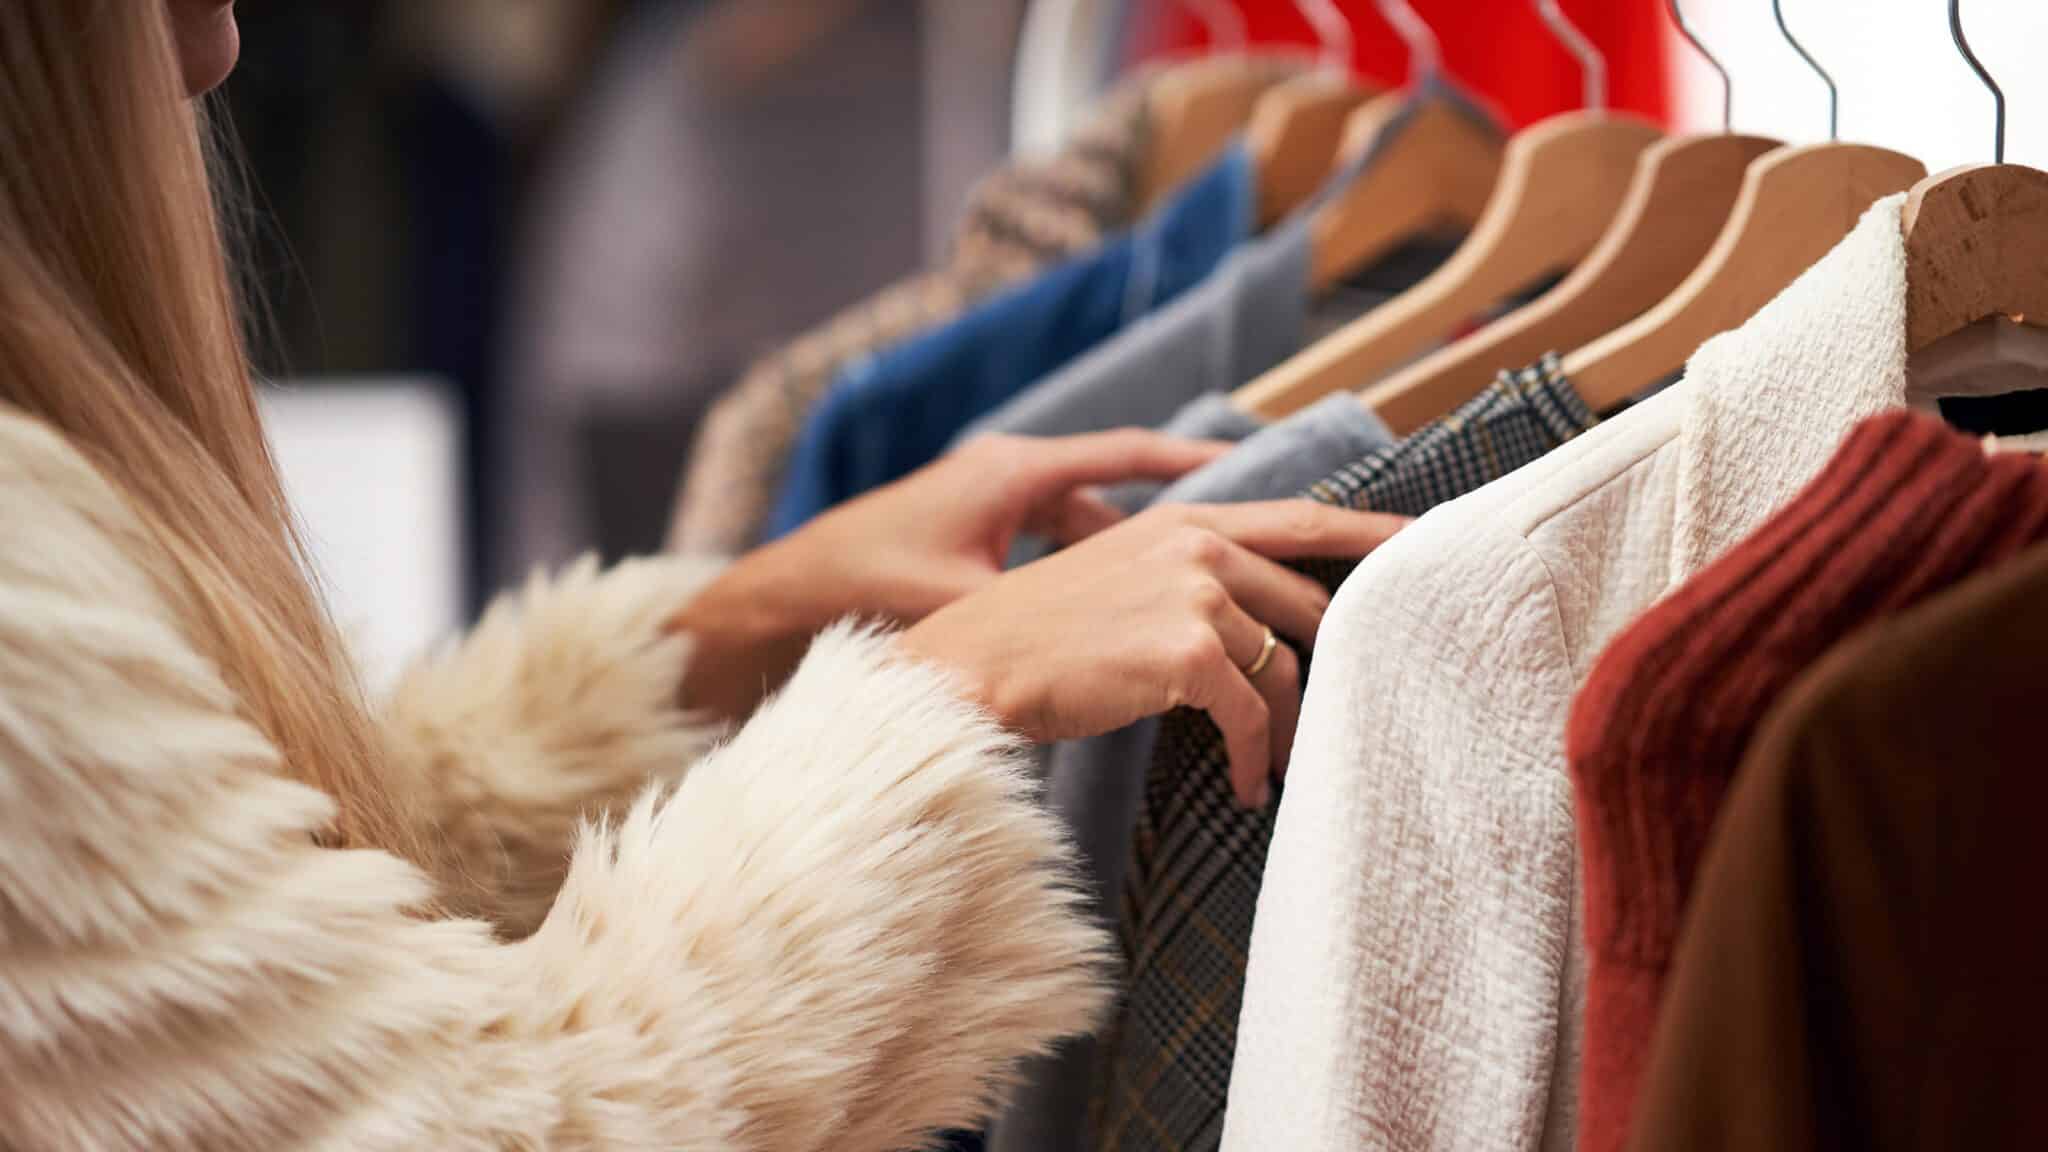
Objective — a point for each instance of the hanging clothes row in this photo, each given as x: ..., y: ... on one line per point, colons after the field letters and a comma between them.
x: 1599, y: 829
x: 1018, y: 223
x: 1470, y: 908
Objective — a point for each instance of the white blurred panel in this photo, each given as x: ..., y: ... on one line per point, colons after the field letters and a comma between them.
x: 1903, y: 85
x: 374, y: 470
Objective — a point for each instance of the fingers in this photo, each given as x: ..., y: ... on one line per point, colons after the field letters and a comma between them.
x: 1278, y: 685
x: 1292, y: 529
x: 1074, y: 517
x: 1291, y: 603
x: 1058, y: 465
x: 1241, y: 593
x: 1243, y: 715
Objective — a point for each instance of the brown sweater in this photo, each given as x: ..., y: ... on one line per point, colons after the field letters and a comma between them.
x: 1905, y: 508
x: 1862, y: 967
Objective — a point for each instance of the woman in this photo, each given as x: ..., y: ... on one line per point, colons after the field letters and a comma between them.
x: 240, y: 911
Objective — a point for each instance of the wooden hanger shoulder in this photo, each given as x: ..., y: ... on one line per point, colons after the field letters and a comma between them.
x: 1195, y: 110
x: 1561, y: 183
x: 1433, y: 166
x: 1976, y: 248
x: 1796, y: 204
x: 1987, y: 357
x: 1683, y: 191
x: 1977, y: 281
x: 1296, y: 129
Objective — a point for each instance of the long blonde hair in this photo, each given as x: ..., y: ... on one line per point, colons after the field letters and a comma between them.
x: 119, y: 327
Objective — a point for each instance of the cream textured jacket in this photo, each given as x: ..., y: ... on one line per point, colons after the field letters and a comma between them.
x: 841, y: 930
x: 1416, y: 969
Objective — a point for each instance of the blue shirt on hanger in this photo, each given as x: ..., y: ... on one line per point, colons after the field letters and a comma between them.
x: 893, y: 413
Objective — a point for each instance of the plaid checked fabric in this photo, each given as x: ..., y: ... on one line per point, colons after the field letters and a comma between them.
x: 1197, y: 859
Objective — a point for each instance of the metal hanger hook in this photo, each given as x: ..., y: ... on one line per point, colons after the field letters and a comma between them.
x: 1425, y: 55
x: 1834, y: 94
x: 1955, y: 29
x: 1592, y: 65
x: 1333, y: 31
x: 1221, y: 22
x: 1727, y: 85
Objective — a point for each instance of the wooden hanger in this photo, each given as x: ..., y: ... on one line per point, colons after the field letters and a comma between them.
x: 1991, y: 357
x: 1194, y: 111
x: 1976, y: 251
x: 1977, y: 267
x: 1296, y: 129
x: 1795, y: 205
x: 1416, y: 162
x: 1433, y: 167
x: 1682, y: 192
x: 1977, y: 281
x: 1298, y: 124
x: 1561, y: 183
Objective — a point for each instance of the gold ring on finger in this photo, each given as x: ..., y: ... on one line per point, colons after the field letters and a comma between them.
x: 1272, y: 645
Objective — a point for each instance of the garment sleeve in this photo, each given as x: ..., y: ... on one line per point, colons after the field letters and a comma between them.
x: 1410, y: 951
x: 841, y: 930
x: 744, y: 446
x: 563, y: 703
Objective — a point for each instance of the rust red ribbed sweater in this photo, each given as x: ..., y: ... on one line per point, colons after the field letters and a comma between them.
x: 1906, y: 508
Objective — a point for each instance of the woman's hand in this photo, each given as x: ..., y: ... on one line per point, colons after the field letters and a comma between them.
x: 1168, y: 610
x: 903, y: 551
x: 909, y: 549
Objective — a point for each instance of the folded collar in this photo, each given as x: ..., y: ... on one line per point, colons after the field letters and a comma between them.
x: 1770, y: 401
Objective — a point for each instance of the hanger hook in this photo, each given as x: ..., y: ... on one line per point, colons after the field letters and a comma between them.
x: 1221, y: 22
x: 1727, y: 85
x: 1425, y: 55
x: 1955, y: 29
x: 1592, y: 65
x: 1333, y: 31
x: 1834, y: 94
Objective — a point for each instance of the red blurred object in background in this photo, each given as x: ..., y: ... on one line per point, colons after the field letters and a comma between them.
x: 1499, y: 49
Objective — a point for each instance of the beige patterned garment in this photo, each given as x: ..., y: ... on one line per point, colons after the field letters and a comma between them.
x: 1019, y: 220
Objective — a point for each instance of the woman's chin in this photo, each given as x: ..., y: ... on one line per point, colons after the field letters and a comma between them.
x: 209, y: 42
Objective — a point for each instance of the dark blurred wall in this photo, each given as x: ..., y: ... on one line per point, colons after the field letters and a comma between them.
x: 739, y: 172
x: 969, y: 52
x: 310, y: 103
x: 589, y: 230
x: 389, y: 148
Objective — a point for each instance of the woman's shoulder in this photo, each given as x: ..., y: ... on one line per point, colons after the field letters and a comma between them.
x: 101, y: 694
x: 89, y: 644
x: 49, y: 488
x: 27, y: 440
x: 72, y: 548
x: 28, y: 444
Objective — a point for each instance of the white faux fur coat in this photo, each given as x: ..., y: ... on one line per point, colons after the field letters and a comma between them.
x: 840, y: 930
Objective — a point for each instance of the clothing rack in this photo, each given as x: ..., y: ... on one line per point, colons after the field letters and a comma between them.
x: 1384, y: 954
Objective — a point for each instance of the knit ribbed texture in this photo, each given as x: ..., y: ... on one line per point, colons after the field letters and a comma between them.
x: 1861, y: 965
x: 1906, y: 508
